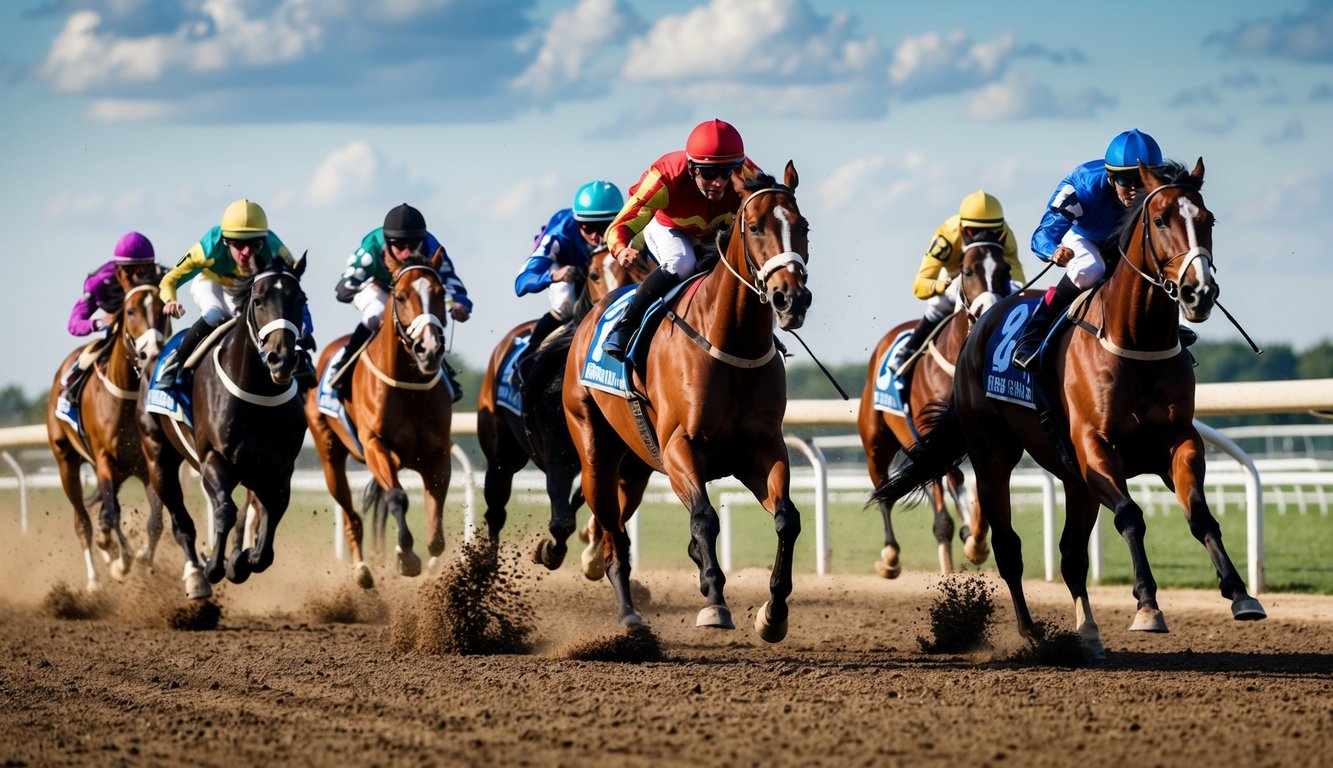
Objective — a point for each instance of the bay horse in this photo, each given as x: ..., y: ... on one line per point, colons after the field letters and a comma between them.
x: 402, y: 409
x: 1126, y: 390
x: 982, y: 280
x: 248, y: 428
x: 716, y: 394
x: 540, y: 435
x: 110, y: 440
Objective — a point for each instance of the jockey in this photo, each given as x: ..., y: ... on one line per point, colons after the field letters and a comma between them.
x: 227, y: 254
x: 563, y: 254
x: 366, y: 280
x: 1080, y: 218
x: 103, y: 290
x: 677, y: 205
x: 980, y: 219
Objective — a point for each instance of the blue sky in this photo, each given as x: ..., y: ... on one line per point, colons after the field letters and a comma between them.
x: 488, y: 114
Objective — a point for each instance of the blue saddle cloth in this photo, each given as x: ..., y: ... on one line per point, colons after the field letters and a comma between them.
x: 1004, y: 380
x: 507, y: 393
x: 600, y: 370
x: 175, y: 402
x: 327, y: 400
x: 889, y: 392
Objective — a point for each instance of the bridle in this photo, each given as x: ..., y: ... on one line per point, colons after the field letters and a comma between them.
x: 759, y: 275
x: 972, y: 306
x: 136, y: 345
x: 259, y: 334
x: 1195, y: 251
x: 412, y: 331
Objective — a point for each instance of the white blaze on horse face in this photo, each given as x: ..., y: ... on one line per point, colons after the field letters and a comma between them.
x: 422, y: 286
x: 612, y: 282
x: 1198, y: 257
x: 783, y: 216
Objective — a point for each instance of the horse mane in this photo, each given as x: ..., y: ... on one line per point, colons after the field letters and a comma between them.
x: 1169, y: 172
x: 760, y: 182
x: 415, y: 260
x: 240, y: 290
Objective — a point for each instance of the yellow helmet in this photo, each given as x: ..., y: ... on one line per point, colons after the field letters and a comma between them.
x: 981, y: 210
x: 244, y: 220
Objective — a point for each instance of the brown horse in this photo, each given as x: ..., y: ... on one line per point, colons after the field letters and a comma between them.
x: 715, y: 393
x: 982, y: 280
x: 509, y: 443
x: 248, y: 429
x: 401, y: 408
x: 110, y: 443
x: 1126, y: 388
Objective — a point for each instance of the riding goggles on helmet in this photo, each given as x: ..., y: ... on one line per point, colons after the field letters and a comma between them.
x: 711, y: 172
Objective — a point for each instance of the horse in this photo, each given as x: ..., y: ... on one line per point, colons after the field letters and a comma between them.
x: 715, y: 398
x: 401, y: 409
x: 247, y: 428
x: 1126, y: 390
x: 110, y: 439
x: 539, y: 435
x: 983, y: 279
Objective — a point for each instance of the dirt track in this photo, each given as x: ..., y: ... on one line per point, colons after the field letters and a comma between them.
x: 849, y: 686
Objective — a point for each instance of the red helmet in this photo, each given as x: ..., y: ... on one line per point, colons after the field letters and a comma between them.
x: 714, y: 142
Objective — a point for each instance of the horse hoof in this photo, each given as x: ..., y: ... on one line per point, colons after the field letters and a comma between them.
x: 119, y: 568
x: 1093, y: 648
x: 594, y: 566
x: 197, y: 587
x: 888, y: 566
x: 976, y: 551
x: 631, y: 619
x: 238, y: 567
x: 716, y: 616
x: 770, y: 631
x: 1248, y: 609
x: 409, y: 564
x: 548, y: 554
x: 144, y: 557
x: 94, y: 586
x: 1148, y: 620
x: 361, y: 574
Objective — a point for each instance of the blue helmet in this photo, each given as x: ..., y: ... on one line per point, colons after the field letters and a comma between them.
x: 597, y: 201
x: 1129, y: 149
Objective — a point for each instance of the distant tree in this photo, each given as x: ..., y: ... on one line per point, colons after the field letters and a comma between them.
x: 1316, y: 362
x: 15, y: 408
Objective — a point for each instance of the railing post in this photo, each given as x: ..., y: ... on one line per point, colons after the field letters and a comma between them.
x: 23, y: 491
x: 1254, y: 502
x: 820, y: 464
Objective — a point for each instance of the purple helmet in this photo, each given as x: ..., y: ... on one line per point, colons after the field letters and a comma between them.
x: 133, y: 247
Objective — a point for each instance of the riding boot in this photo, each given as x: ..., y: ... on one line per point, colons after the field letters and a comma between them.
x: 1187, y: 336
x: 654, y: 286
x: 71, y: 386
x: 173, y: 366
x: 908, y: 348
x: 1056, y: 301
x: 546, y: 325
x: 305, y: 368
x: 451, y: 375
x: 341, y: 375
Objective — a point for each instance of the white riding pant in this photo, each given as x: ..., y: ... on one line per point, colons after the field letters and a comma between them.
x: 1086, y: 269
x: 673, y: 248
x: 371, y: 301
x: 562, y: 297
x: 215, y: 305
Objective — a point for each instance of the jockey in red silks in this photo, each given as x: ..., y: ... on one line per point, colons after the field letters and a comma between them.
x: 133, y: 258
x: 676, y: 207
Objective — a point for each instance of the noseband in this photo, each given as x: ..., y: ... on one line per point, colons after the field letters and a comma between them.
x: 414, y: 329
x: 257, y: 335
x: 135, y: 345
x: 1196, y: 251
x: 970, y: 304
x: 790, y: 259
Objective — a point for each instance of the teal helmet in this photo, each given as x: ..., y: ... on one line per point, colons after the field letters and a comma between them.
x: 597, y: 201
x: 1129, y: 149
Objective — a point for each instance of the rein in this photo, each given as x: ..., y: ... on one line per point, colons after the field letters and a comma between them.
x: 257, y: 336
x: 131, y: 347
x: 1196, y: 251
x: 789, y: 259
x: 416, y: 327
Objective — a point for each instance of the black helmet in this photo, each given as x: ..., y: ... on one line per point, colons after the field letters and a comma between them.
x: 405, y: 223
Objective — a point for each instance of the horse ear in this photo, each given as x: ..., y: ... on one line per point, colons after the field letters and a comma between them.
x: 392, y: 263
x: 436, y: 258
x: 1150, y: 182
x: 299, y: 266
x: 1198, y: 170
x: 738, y: 184
x: 789, y: 177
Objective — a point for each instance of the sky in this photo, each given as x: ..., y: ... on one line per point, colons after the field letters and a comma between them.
x: 487, y: 115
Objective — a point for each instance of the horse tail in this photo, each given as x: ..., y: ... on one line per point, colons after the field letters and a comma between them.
x: 940, y: 450
x: 371, y: 501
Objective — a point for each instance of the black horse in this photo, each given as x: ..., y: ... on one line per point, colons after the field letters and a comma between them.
x: 248, y: 428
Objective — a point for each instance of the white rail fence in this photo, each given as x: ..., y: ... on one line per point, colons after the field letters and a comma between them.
x: 1315, y: 395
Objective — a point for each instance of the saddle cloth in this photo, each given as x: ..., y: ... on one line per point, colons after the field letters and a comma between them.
x: 889, y: 391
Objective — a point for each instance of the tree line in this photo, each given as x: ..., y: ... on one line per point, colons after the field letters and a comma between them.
x: 1215, y: 361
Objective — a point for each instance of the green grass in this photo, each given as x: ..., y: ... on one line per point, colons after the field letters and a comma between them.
x: 1298, y: 547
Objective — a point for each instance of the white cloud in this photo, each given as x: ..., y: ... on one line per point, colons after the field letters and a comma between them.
x: 936, y: 63
x: 127, y: 110
x: 358, y: 173
x: 570, y: 46
x: 1020, y: 96
x: 522, y: 197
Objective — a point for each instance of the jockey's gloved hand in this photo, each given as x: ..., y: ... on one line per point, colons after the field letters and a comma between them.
x: 345, y: 291
x: 307, y: 343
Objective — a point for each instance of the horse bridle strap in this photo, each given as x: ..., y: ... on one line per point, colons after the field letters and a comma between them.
x: 120, y: 392
x: 717, y: 354
x: 395, y: 383
x: 1195, y: 251
x: 266, y: 401
x: 786, y: 259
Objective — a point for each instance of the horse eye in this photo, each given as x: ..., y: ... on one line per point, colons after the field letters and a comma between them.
x: 754, y: 229
x: 1159, y: 220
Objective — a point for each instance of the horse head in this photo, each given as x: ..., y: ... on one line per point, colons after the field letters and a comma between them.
x: 1177, y: 238
x: 144, y: 326
x: 605, y: 274
x: 984, y: 277
x: 418, y: 308
x: 774, y: 245
x: 274, y: 315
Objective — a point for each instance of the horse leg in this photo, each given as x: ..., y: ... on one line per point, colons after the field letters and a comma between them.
x: 333, y: 456
x: 152, y: 527
x: 705, y: 526
x: 121, y: 557
x: 219, y: 483
x: 109, y: 516
x: 393, y: 502
x: 69, y: 462
x: 997, y: 458
x: 1080, y: 516
x: 559, y: 480
x: 769, y: 478
x: 436, y: 481
x: 973, y: 527
x: 942, y: 527
x: 881, y: 446
x: 270, y: 502
x: 1187, y: 472
x: 164, y: 466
